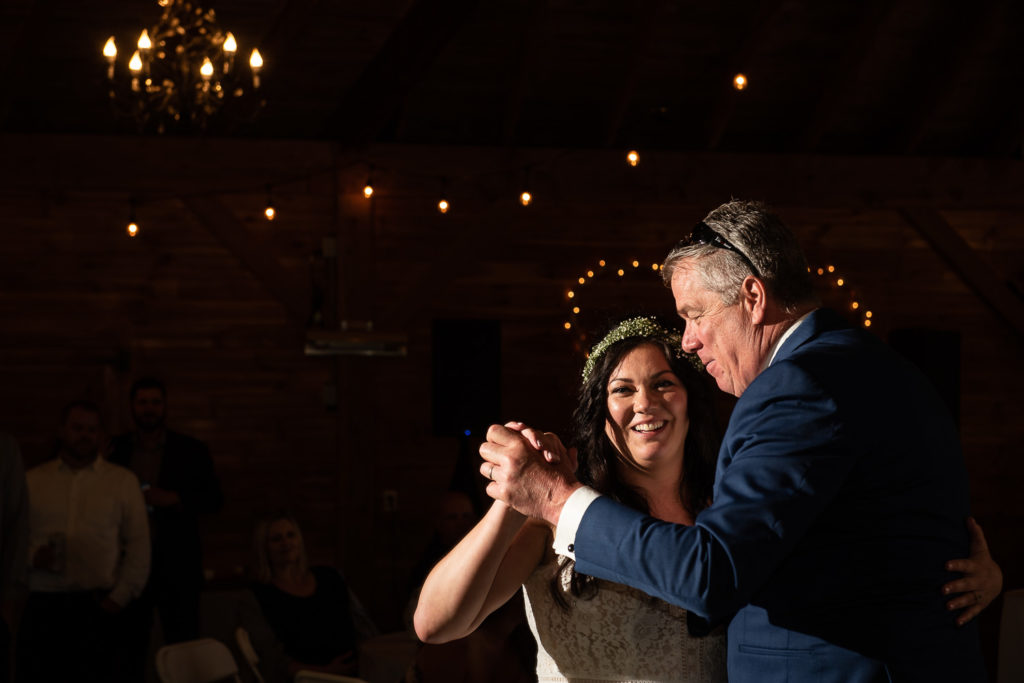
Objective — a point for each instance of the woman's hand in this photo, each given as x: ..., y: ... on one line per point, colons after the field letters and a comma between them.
x: 982, y: 578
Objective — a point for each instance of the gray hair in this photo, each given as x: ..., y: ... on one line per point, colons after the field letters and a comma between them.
x: 761, y: 236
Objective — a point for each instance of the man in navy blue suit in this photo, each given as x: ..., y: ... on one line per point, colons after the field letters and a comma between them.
x: 839, y: 495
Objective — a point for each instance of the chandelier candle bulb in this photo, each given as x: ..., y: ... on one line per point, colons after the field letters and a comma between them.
x: 110, y: 52
x: 230, y: 48
x: 255, y: 63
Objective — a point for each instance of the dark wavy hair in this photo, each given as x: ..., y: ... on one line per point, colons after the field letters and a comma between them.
x: 598, y: 457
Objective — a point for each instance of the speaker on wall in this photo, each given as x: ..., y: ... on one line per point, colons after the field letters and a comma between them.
x: 466, y: 376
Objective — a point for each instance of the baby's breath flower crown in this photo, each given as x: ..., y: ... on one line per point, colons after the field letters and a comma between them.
x: 646, y: 328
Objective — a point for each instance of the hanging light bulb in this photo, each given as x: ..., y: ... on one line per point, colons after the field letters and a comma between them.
x: 144, y: 43
x: 270, y: 212
x: 132, y: 228
x: 525, y: 198
x: 443, y: 206
x: 633, y: 158
x: 739, y: 81
x: 368, y: 190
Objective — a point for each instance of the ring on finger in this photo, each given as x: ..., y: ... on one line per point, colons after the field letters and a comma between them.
x: 490, y: 473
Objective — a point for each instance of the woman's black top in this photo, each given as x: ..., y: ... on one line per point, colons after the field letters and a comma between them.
x: 313, y: 629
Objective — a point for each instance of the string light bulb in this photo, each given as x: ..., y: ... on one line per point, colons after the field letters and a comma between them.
x: 443, y: 206
x: 525, y: 198
x: 632, y: 157
x: 132, y: 228
x: 739, y: 81
x: 270, y: 212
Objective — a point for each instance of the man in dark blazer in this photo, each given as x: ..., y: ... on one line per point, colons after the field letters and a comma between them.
x: 839, y: 495
x: 179, y: 484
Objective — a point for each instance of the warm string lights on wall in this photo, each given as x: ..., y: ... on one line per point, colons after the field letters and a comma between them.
x: 832, y: 279
x: 588, y: 277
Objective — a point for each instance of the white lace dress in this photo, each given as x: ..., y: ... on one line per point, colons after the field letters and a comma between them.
x: 620, y: 635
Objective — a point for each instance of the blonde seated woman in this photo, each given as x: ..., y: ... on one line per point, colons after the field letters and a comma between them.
x: 646, y: 434
x: 311, y: 610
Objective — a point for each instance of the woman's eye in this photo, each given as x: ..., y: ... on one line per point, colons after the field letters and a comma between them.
x: 620, y: 390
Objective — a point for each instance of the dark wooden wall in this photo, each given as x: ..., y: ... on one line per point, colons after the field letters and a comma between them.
x: 216, y: 300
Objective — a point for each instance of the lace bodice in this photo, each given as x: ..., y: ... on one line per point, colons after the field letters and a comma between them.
x: 620, y: 635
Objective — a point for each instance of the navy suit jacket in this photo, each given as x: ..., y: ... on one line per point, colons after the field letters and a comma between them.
x: 839, y: 496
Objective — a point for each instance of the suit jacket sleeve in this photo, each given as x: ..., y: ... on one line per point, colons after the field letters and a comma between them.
x: 783, y: 461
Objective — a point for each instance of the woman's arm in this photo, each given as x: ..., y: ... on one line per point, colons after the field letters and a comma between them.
x: 479, y: 574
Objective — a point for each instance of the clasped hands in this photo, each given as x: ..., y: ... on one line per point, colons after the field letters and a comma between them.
x: 530, y: 471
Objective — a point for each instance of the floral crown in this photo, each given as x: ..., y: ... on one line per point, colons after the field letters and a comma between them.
x: 643, y: 327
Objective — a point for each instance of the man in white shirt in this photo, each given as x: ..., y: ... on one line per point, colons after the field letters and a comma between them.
x: 88, y: 555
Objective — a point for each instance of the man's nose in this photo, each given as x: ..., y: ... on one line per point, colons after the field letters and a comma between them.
x: 690, y: 342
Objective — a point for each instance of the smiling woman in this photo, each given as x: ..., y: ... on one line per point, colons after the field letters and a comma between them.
x: 646, y: 436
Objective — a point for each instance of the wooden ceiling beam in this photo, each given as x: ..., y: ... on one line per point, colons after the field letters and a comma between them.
x: 377, y: 95
x: 965, y: 38
x: 637, y: 48
x: 758, y: 33
x: 16, y: 17
x: 533, y: 16
x: 860, y: 44
x: 220, y: 222
x: 288, y: 21
x: 975, y: 273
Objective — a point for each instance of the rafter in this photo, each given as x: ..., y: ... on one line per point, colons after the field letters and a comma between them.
x: 533, y: 15
x: 220, y: 222
x: 377, y: 95
x: 859, y: 46
x: 964, y: 39
x: 948, y: 243
x: 16, y: 17
x: 758, y: 33
x: 639, y: 44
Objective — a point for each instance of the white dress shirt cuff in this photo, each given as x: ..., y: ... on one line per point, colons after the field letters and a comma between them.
x: 569, y: 520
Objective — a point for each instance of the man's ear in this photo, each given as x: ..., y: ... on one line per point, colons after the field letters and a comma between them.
x: 754, y: 299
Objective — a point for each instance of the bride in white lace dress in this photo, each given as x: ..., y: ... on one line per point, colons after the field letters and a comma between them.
x: 645, y: 429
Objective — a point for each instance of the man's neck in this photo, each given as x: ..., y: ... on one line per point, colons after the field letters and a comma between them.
x: 74, y: 462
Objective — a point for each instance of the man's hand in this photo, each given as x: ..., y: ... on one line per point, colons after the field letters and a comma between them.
x: 520, y: 474
x: 982, y: 579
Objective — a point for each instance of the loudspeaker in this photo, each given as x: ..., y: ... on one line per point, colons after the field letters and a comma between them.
x: 466, y: 376
x: 937, y: 354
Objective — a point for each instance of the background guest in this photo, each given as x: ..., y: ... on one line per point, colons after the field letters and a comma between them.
x: 89, y: 550
x: 178, y: 480
x: 311, y: 610
x: 13, y: 546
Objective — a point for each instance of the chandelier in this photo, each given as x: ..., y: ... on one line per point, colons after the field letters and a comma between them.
x: 183, y: 74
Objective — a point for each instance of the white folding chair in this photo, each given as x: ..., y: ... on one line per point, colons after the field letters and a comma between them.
x: 196, y: 661
x: 249, y: 652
